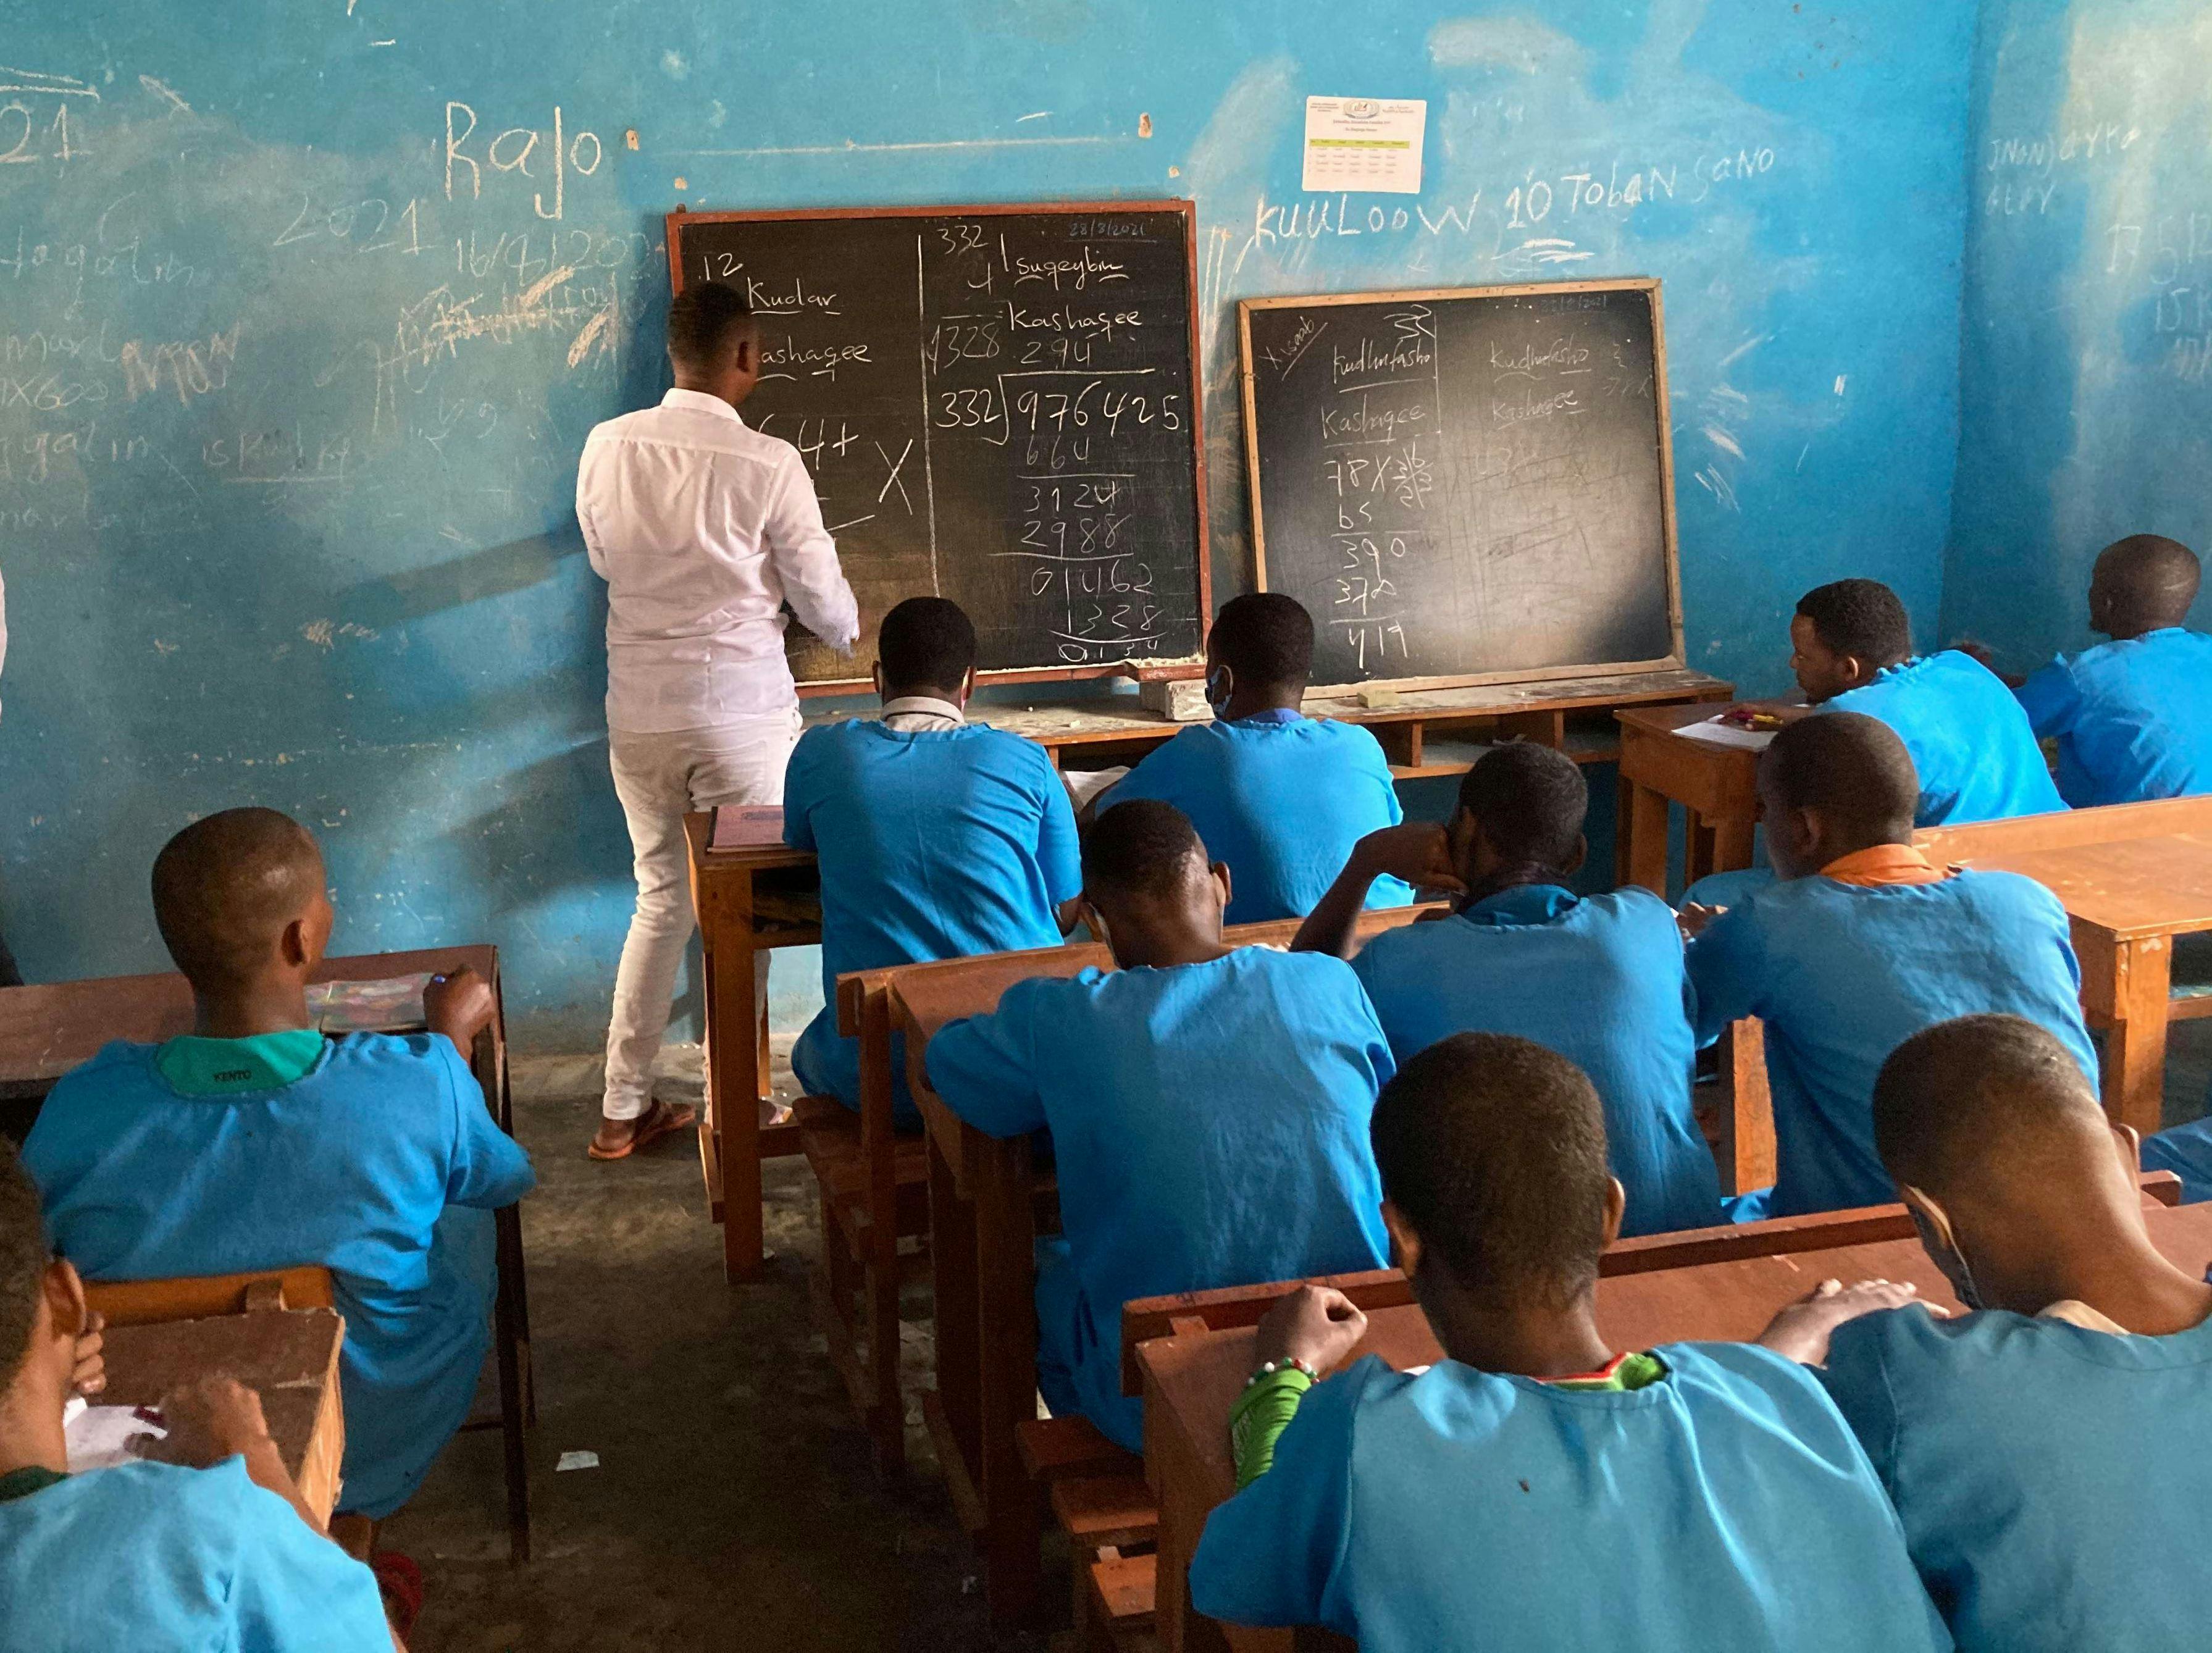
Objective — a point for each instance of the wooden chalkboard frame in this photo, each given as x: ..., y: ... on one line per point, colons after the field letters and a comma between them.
x: 1144, y: 671
x: 1648, y: 285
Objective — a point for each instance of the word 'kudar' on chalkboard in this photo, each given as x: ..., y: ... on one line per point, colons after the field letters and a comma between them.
x: 1467, y: 486
x: 997, y: 404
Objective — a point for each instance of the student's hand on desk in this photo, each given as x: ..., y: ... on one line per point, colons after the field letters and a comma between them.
x: 1801, y: 1330
x: 1316, y: 1324
x: 1694, y: 919
x: 208, y: 1420
x: 1418, y: 853
x: 458, y: 1006
x: 90, y: 1376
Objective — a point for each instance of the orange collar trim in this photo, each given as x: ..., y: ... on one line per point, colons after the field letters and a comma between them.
x: 1883, y: 865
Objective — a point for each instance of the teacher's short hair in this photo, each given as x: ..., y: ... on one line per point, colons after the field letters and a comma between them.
x: 706, y: 322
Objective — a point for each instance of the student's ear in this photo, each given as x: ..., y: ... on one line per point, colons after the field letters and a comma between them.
x: 65, y: 1294
x: 1582, y: 853
x: 967, y: 686
x: 2127, y: 1142
x: 1092, y: 919
x: 1223, y: 886
x: 1405, y: 1244
x: 877, y: 673
x: 741, y: 358
x: 1616, y: 1208
x: 1934, y: 1223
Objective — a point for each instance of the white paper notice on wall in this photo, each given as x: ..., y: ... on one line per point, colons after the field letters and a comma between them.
x: 1364, y: 143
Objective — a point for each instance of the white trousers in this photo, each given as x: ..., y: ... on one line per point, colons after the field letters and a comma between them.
x: 658, y: 778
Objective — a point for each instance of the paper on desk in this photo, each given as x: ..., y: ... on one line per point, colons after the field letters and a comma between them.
x: 1712, y: 730
x: 391, y: 1005
x: 745, y: 826
x: 1084, y: 785
x: 100, y: 1437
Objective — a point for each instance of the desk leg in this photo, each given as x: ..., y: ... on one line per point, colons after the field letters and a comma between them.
x: 1732, y: 845
x: 955, y: 1412
x: 1750, y: 1108
x: 1005, y: 1251
x: 738, y: 1071
x: 516, y: 1401
x: 1642, y: 853
x: 2135, y: 1047
x: 1699, y: 849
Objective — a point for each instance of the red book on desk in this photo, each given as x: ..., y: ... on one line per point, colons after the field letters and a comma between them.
x: 746, y: 826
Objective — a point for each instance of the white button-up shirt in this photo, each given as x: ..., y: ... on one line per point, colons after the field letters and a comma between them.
x: 702, y: 528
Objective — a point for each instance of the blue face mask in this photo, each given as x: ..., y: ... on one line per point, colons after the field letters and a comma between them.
x: 1217, y: 690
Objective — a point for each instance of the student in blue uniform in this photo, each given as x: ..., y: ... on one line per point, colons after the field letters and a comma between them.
x: 210, y: 1549
x: 2186, y: 1150
x: 1208, y: 1106
x: 256, y: 1143
x: 2133, y: 717
x: 1859, y: 945
x: 1278, y: 797
x: 2050, y: 1453
x: 1971, y: 745
x: 938, y: 837
x: 1598, y: 978
x: 1535, y: 1489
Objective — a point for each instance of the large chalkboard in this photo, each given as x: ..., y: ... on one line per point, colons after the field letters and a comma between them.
x: 997, y: 406
x: 1467, y: 486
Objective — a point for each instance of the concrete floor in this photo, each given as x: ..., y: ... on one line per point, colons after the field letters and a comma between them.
x: 734, y: 1507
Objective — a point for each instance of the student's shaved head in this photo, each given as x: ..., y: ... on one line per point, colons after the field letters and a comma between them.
x: 1850, y: 767
x: 1988, y: 1105
x: 2142, y: 583
x: 1529, y: 800
x: 1492, y: 1150
x: 1140, y: 849
x: 23, y: 1258
x: 226, y: 887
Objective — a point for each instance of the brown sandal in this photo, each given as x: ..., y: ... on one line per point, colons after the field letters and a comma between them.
x: 657, y: 1121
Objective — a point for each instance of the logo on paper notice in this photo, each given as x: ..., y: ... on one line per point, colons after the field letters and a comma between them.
x: 1364, y: 143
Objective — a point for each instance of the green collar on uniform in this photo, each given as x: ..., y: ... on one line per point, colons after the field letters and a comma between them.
x: 194, y: 1066
x: 31, y: 1478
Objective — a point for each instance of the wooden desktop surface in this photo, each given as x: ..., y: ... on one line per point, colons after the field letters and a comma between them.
x: 1192, y: 1382
x: 2131, y: 889
x: 290, y: 1356
x: 47, y: 1028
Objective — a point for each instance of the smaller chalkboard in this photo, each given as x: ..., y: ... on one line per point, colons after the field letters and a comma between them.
x: 1467, y: 486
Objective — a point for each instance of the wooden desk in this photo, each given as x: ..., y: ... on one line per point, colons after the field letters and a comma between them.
x: 47, y: 1030
x: 1192, y: 1379
x: 289, y: 1356
x: 2131, y: 878
x: 1718, y: 785
x: 982, y: 1204
x: 751, y: 902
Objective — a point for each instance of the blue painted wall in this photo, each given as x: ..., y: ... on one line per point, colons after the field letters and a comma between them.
x: 2087, y: 365
x: 307, y: 308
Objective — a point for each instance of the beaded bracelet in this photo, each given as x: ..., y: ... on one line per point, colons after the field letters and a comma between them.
x: 1269, y: 1368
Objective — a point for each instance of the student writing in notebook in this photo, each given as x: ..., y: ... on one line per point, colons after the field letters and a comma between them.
x: 256, y: 1143
x: 2051, y: 1451
x: 211, y: 1548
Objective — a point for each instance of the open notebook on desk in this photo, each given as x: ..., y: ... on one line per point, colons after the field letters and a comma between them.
x: 392, y: 1005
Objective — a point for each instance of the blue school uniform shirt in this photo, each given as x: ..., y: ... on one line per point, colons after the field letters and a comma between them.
x: 1209, y: 1122
x: 1282, y: 798
x: 1725, y: 1505
x: 2052, y: 1480
x: 1969, y: 740
x: 1600, y: 980
x: 1842, y: 975
x: 147, y: 1556
x: 2186, y: 1150
x: 934, y: 843
x: 353, y: 1166
x: 151, y: 1556
x: 2133, y: 720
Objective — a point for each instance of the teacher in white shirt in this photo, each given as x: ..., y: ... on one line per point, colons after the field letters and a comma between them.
x: 702, y: 528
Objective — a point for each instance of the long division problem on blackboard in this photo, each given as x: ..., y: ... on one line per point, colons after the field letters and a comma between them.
x: 1466, y: 484
x: 997, y: 405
